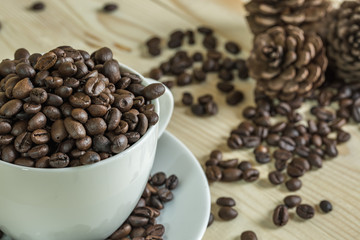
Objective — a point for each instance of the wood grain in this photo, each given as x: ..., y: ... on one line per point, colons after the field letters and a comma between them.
x: 81, y: 25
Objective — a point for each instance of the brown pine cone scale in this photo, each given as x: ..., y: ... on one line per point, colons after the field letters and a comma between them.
x: 286, y: 63
x: 306, y: 14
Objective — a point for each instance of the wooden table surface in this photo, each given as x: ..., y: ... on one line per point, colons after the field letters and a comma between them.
x: 81, y: 25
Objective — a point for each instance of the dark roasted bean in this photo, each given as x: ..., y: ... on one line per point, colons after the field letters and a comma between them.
x: 231, y: 174
x: 213, y: 173
x: 292, y: 201
x: 326, y: 206
x: 251, y: 175
x: 305, y: 211
x: 226, y: 202
x: 227, y: 213
x: 248, y: 235
x: 280, y: 215
x: 244, y: 165
x: 293, y: 184
x: 232, y: 47
x: 276, y: 177
x: 59, y: 160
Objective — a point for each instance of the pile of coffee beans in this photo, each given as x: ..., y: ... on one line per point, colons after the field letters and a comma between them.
x: 142, y: 224
x: 205, y: 106
x: 229, y: 170
x: 68, y: 108
x: 189, y: 68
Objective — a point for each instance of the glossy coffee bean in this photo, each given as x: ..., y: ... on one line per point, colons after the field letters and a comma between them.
x: 280, y: 215
x: 227, y: 213
x: 305, y: 211
x: 59, y: 160
x: 226, y: 202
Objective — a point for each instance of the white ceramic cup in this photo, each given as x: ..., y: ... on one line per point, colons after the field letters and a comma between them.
x: 86, y: 202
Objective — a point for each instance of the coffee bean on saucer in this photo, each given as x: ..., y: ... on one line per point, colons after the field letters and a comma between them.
x: 280, y: 215
x: 227, y: 213
x: 248, y: 235
x: 158, y: 179
x: 326, y: 206
x: 305, y: 211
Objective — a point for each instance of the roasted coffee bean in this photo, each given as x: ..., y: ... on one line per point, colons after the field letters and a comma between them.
x: 64, y: 91
x: 315, y: 160
x: 326, y: 206
x: 226, y: 75
x: 198, y: 109
x: 323, y: 128
x: 42, y: 162
x: 231, y: 174
x: 119, y: 143
x: 273, y: 139
x: 330, y: 147
x: 199, y: 75
x: 171, y: 182
x: 244, y: 165
x: 302, y: 151
x: 59, y: 132
x: 248, y: 235
x: 76, y: 130
x: 38, y: 151
x: 152, y: 117
x: 234, y: 98
x: 23, y: 142
x: 305, y: 211
x: 80, y: 115
x: 10, y: 108
x: 184, y: 79
x: 292, y: 201
x: 227, y: 213
x: 209, y: 42
x: 251, y: 175
x: 298, y: 167
x: 234, y: 141
x: 225, y: 87
x: 6, y: 139
x: 97, y: 110
x: 37, y: 6
x: 110, y: 7
x: 59, y: 160
x: 153, y: 91
x: 276, y: 177
x: 155, y: 230
x: 89, y: 157
x: 54, y: 100
x: 37, y: 121
x: 83, y: 143
x: 5, y: 127
x: 155, y: 73
x: 281, y: 154
x: 123, y: 231
x: 293, y: 184
x: 208, y: 65
x: 226, y: 202
x: 21, y: 53
x: 66, y: 146
x: 243, y: 71
x: 280, y: 165
x: 80, y: 100
x: 342, y: 136
x: 9, y: 153
x: 211, y: 162
x: 231, y: 163
x: 205, y: 30
x: 38, y: 95
x: 46, y: 61
x: 187, y: 99
x: 137, y: 221
x: 94, y: 126
x: 287, y: 143
x: 158, y: 179
x: 165, y: 195
x: 213, y: 173
x: 40, y: 136
x: 31, y: 109
x: 280, y: 215
x: 251, y: 141
x: 24, y: 161
x: 22, y: 88
x: 232, y: 47
x: 112, y: 119
x: 123, y: 102
x: 197, y: 57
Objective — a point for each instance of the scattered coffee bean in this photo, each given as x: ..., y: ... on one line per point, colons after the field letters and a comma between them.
x: 251, y: 175
x: 326, y: 206
x: 227, y: 213
x: 280, y: 215
x: 234, y: 97
x: 232, y: 47
x: 248, y: 235
x: 226, y: 202
x: 292, y: 201
x: 110, y: 7
x: 276, y: 177
x: 37, y: 6
x: 187, y: 99
x: 293, y: 184
x: 305, y: 211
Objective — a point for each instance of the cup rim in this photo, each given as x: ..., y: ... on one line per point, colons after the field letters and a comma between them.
x: 115, y: 157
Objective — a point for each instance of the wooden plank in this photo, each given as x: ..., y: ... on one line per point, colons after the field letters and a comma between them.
x: 82, y: 25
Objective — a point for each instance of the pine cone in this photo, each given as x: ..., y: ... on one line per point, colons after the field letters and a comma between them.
x: 306, y: 14
x: 287, y: 63
x: 343, y: 38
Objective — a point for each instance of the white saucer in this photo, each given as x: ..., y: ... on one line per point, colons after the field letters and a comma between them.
x: 187, y: 215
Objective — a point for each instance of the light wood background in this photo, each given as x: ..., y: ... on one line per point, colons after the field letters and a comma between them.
x: 81, y: 25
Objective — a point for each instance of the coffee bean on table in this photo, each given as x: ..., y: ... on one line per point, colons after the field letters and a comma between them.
x: 292, y: 201
x: 217, y: 154
x: 232, y: 47
x: 280, y: 215
x: 225, y: 87
x: 234, y: 97
x: 230, y: 163
x: 293, y: 184
x: 231, y: 174
x: 198, y: 109
x: 37, y: 6
x: 110, y: 7
x: 326, y: 206
x: 276, y: 177
x: 227, y: 213
x: 305, y: 211
x: 226, y: 202
x: 248, y: 235
x: 287, y: 143
x: 187, y: 99
x: 244, y: 165
x: 251, y: 175
x: 213, y: 173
